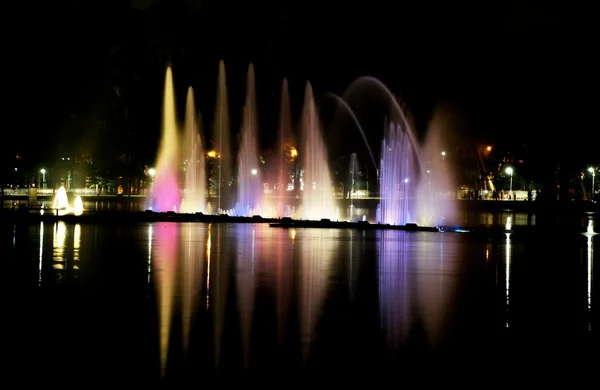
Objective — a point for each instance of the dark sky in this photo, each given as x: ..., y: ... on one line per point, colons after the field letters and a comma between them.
x: 518, y: 70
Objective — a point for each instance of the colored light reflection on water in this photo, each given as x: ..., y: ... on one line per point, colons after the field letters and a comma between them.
x: 226, y: 298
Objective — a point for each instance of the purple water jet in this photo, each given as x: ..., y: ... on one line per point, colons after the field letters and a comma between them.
x: 408, y: 193
x: 249, y: 177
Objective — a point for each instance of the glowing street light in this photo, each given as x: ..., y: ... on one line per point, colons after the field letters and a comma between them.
x: 509, y: 171
x: 443, y: 154
x: 592, y: 170
x: 151, y: 172
x: 254, y: 172
x: 43, y: 172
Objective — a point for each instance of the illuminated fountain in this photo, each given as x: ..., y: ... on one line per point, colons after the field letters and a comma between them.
x: 78, y: 205
x: 61, y: 203
x: 280, y: 164
x: 194, y: 189
x: 249, y: 181
x: 318, y: 199
x: 221, y: 129
x: 398, y: 172
x: 413, y: 183
x: 165, y: 188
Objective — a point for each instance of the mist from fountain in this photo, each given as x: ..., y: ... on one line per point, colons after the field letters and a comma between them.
x: 221, y: 140
x: 165, y: 188
x: 249, y: 177
x: 318, y: 200
x: 436, y: 185
x: 194, y: 188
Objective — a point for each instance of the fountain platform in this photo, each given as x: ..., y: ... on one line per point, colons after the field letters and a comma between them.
x: 361, y: 225
x: 49, y: 215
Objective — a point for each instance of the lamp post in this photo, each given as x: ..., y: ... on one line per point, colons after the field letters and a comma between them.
x: 509, y: 171
x: 592, y: 170
x: 43, y: 172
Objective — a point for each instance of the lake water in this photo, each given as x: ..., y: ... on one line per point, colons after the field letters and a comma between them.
x: 213, y: 304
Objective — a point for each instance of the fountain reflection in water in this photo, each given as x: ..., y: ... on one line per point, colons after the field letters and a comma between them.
x: 395, y: 287
x: 245, y: 281
x: 507, y: 278
x: 164, y: 266
x: 318, y: 251
x: 192, y: 263
x: 590, y: 233
x: 437, y: 277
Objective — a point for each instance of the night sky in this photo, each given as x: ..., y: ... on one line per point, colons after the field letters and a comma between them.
x: 523, y: 72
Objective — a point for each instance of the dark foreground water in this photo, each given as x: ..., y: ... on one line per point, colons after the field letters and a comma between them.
x: 203, y: 305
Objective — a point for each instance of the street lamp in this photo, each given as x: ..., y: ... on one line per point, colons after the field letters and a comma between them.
x: 509, y: 171
x: 43, y: 172
x: 592, y: 170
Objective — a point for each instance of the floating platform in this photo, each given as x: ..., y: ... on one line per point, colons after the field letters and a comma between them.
x: 50, y: 215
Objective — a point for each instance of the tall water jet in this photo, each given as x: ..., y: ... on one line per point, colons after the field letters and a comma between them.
x: 281, y: 162
x: 352, y: 182
x: 399, y: 174
x: 222, y: 153
x: 249, y: 181
x: 61, y: 201
x: 194, y: 189
x: 318, y: 199
x: 78, y: 205
x: 165, y: 188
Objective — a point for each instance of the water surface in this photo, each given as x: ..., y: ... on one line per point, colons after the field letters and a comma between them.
x: 193, y: 302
